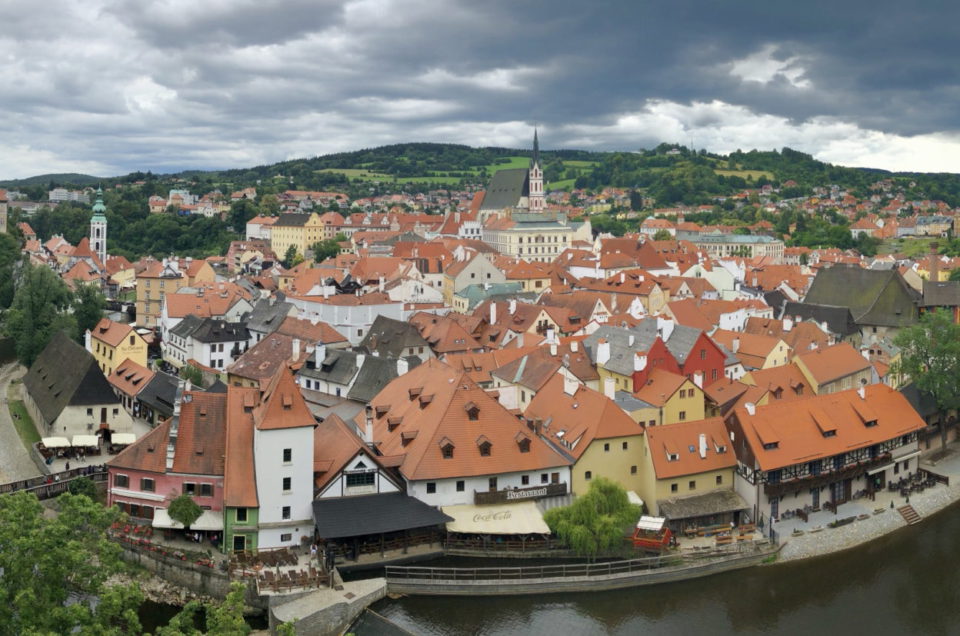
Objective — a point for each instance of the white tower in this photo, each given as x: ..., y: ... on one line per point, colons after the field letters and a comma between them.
x: 98, y: 229
x: 536, y: 200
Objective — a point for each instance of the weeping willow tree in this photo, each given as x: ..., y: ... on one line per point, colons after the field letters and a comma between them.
x: 595, y: 522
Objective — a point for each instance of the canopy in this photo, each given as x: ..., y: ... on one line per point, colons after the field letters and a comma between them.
x: 522, y: 517
x: 123, y: 439
x: 86, y: 441
x: 208, y: 520
x: 161, y: 519
x: 634, y: 498
x: 343, y: 517
x: 707, y: 504
x: 654, y: 524
x: 55, y: 442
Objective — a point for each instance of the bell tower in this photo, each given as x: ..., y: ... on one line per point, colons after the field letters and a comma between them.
x: 536, y: 200
x: 98, y: 229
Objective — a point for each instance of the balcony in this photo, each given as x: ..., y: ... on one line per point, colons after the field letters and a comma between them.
x: 518, y: 494
x: 827, y: 477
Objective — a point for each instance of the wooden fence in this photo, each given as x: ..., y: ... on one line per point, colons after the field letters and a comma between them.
x: 50, y: 486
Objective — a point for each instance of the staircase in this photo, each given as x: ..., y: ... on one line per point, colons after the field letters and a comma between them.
x: 909, y: 515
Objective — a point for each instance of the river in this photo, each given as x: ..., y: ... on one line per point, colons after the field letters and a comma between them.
x: 904, y: 583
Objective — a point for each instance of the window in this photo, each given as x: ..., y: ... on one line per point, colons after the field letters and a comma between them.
x: 703, y: 354
x: 692, y: 485
x: 906, y: 464
x: 673, y: 488
x: 606, y: 448
x: 189, y: 489
x: 287, y: 455
x: 286, y: 537
x: 361, y: 479
x: 588, y: 475
x: 146, y: 485
x: 485, y: 449
x: 89, y: 412
x: 633, y: 470
x: 713, y: 374
x: 241, y: 515
x: 543, y: 478
x: 524, y: 480
x: 683, y: 415
x: 286, y: 484
x: 461, y: 486
x: 719, y: 480
x: 447, y: 451
x: 121, y: 481
x: 132, y: 340
x: 492, y: 483
x: 116, y: 412
x: 624, y: 445
x: 431, y: 487
x: 285, y: 512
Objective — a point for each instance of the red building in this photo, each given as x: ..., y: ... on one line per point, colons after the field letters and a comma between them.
x: 684, y: 356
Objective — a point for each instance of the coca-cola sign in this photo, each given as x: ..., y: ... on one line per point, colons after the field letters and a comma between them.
x: 492, y: 515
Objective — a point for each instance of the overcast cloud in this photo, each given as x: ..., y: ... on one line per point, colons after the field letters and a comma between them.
x: 110, y: 86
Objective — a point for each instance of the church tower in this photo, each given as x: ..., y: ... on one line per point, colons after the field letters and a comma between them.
x: 98, y: 229
x: 3, y: 211
x: 536, y: 201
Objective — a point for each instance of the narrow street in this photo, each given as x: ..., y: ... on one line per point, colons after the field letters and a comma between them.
x: 15, y: 462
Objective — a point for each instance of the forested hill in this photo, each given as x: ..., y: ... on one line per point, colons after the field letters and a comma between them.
x: 670, y: 174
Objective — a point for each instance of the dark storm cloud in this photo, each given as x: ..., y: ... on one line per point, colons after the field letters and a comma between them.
x: 122, y: 85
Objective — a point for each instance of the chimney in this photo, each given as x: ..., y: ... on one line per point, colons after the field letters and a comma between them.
x: 86, y: 341
x: 295, y: 354
x: 368, y: 428
x: 787, y: 325
x: 639, y: 362
x: 570, y: 385
x: 513, y: 306
x: 703, y: 446
x: 736, y: 345
x: 553, y: 348
x: 630, y: 339
x: 574, y: 346
x: 326, y: 292
x: 609, y: 387
x: 934, y: 262
x: 380, y: 285
x: 862, y: 392
x: 698, y: 378
x: 493, y: 312
x: 751, y: 408
x: 603, y: 351
x: 320, y: 353
x: 402, y: 366
x: 623, y: 278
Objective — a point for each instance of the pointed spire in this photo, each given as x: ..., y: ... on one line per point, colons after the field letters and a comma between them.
x: 536, y: 149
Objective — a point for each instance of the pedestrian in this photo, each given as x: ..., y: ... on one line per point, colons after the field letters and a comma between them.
x: 313, y: 550
x: 68, y: 466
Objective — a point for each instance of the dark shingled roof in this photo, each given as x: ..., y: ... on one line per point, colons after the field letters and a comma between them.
x: 839, y: 319
x: 711, y: 503
x: 941, y: 294
x: 267, y: 316
x: 66, y: 374
x: 337, y: 366
x: 343, y: 517
x: 160, y: 393
x: 292, y: 220
x: 506, y: 189
x: 922, y: 402
x: 873, y: 297
x: 389, y: 337
x: 376, y: 373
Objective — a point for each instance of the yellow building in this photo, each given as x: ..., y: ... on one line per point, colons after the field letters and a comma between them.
x: 299, y: 230
x: 668, y: 398
x: 688, y: 474
x: 113, y: 342
x: 162, y: 277
x: 591, y: 428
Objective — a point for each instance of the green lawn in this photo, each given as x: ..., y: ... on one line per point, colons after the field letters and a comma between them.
x: 563, y: 184
x: 359, y: 173
x: 21, y: 419
x: 912, y: 247
x: 579, y: 164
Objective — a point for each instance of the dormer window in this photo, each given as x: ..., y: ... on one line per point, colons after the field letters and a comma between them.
x: 382, y: 410
x: 870, y: 423
x: 771, y: 446
x: 524, y: 444
x: 672, y: 457
x: 473, y: 411
x: 484, y: 445
x: 415, y: 392
x: 447, y: 449
x: 425, y: 401
x: 393, y: 423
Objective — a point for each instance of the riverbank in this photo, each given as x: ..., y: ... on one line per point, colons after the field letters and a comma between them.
x: 831, y: 540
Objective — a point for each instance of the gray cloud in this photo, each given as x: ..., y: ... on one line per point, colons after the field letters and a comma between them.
x: 112, y: 86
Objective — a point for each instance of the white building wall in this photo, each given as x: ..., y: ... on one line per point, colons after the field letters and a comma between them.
x: 447, y: 494
x: 268, y: 446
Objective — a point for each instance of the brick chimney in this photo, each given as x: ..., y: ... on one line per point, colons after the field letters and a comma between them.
x: 934, y: 262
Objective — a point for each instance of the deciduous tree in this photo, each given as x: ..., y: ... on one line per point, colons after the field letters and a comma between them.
x: 38, y: 311
x: 185, y: 510
x: 595, y: 522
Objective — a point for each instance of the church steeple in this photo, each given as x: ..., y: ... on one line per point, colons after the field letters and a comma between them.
x: 98, y: 228
x: 535, y: 196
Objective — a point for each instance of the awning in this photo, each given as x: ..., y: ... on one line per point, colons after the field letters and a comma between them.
x: 906, y: 457
x: 207, y: 521
x: 522, y: 517
x: 711, y: 503
x: 653, y: 524
x: 634, y: 498
x: 161, y: 519
x: 55, y: 442
x: 85, y: 441
x: 876, y: 470
x: 123, y: 439
x: 343, y: 517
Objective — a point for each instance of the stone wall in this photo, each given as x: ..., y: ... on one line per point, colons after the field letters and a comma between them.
x: 328, y: 611
x: 199, y: 579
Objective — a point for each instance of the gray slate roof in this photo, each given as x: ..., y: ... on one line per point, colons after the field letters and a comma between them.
x: 341, y: 517
x: 711, y: 503
x: 376, y: 373
x: 337, y: 366
x: 212, y: 330
x: 390, y: 337
x: 160, y: 393
x: 941, y: 294
x: 265, y: 317
x: 506, y: 189
x: 66, y: 374
x: 839, y: 319
x: 679, y: 343
x: 876, y: 298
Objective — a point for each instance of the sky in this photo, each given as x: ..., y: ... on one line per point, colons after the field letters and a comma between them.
x: 106, y: 87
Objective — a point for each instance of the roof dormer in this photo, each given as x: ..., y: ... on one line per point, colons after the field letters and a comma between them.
x: 484, y: 445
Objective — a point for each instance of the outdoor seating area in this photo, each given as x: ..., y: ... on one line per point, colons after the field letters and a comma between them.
x: 279, y: 571
x: 141, y: 537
